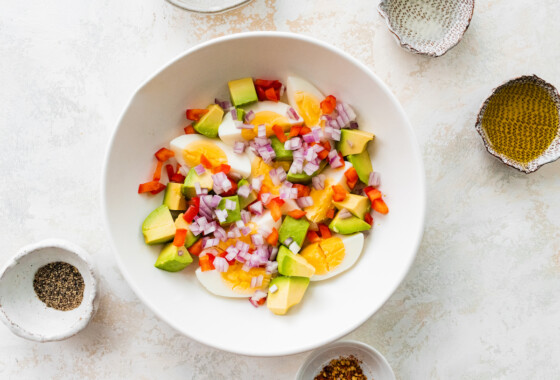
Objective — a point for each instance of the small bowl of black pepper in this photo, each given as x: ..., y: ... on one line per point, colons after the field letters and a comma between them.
x: 48, y: 291
x: 344, y: 360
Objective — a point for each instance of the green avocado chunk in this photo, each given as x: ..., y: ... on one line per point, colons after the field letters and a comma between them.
x: 362, y: 164
x: 293, y: 228
x: 290, y: 292
x: 358, y: 205
x: 348, y: 225
x: 242, y: 91
x: 233, y: 215
x: 173, y: 197
x: 173, y: 259
x: 281, y: 153
x: 303, y: 177
x: 210, y: 122
x: 159, y: 227
x: 290, y: 264
x: 244, y: 202
x: 240, y: 114
x: 353, y: 141
x: 205, y: 180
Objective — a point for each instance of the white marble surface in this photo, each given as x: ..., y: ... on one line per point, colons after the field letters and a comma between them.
x: 481, y: 300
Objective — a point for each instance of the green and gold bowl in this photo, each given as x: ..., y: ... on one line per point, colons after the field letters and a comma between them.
x: 520, y: 123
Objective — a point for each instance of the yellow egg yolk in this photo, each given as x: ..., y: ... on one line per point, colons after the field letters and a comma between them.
x: 259, y: 167
x: 322, y: 201
x: 269, y: 119
x: 240, y: 281
x: 325, y: 255
x: 309, y: 108
x: 193, y: 151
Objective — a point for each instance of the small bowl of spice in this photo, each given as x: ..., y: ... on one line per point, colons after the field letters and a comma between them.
x: 520, y: 123
x: 345, y: 360
x: 48, y: 291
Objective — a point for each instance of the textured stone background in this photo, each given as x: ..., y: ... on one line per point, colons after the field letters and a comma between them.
x: 482, y: 298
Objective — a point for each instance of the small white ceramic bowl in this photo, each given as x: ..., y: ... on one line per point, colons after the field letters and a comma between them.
x: 208, y: 6
x: 373, y: 364
x: 20, y: 308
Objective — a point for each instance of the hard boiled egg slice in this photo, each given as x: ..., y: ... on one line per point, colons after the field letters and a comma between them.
x: 234, y: 283
x: 305, y: 99
x: 189, y: 148
x: 267, y: 113
x: 334, y: 255
x: 322, y: 199
x: 265, y: 222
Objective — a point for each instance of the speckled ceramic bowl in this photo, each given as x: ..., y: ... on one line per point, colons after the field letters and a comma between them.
x: 373, y: 364
x: 538, y: 107
x: 208, y: 6
x: 20, y: 308
x: 429, y: 27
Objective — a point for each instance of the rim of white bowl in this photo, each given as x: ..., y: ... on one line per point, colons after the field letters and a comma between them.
x: 90, y: 309
x: 417, y: 239
x: 347, y: 342
x: 179, y: 4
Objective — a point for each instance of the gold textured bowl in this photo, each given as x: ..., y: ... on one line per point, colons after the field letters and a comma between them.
x: 429, y: 27
x: 520, y: 123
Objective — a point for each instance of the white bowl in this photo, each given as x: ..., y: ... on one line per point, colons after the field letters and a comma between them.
x: 20, y: 308
x: 208, y: 6
x: 330, y: 309
x: 374, y: 365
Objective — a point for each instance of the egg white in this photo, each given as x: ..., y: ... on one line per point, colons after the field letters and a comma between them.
x: 240, y: 163
x: 213, y: 282
x: 336, y: 176
x: 353, y: 246
x: 265, y: 221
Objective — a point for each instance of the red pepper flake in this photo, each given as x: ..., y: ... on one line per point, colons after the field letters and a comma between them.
x: 164, y: 154
x: 195, y: 114
x: 189, y: 130
x: 328, y: 105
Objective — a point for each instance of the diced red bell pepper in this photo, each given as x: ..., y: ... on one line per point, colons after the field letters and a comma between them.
x: 189, y: 130
x: 178, y: 177
x: 328, y: 104
x: 157, y: 172
x: 191, y: 212
x: 205, y: 162
x: 325, y: 152
x: 206, y: 262
x: 264, y: 189
x: 380, y: 206
x: 271, y: 95
x: 279, y: 132
x: 274, y: 207
x: 368, y: 218
x: 351, y: 177
x: 260, y: 93
x: 330, y: 213
x: 297, y: 214
x: 324, y: 230
x: 304, y: 130
x: 159, y: 189
x: 312, y: 237
x: 170, y: 171
x: 180, y: 236
x: 150, y: 187
x: 231, y: 191
x: 265, y: 83
x: 196, y: 248
x: 302, y: 190
x: 339, y: 193
x: 224, y: 254
x: 164, y: 154
x: 272, y: 239
x: 195, y: 114
x: 221, y: 168
x: 372, y: 193
x: 295, y: 130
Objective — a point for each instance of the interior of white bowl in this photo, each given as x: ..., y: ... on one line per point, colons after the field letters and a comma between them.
x: 330, y: 309
x: 25, y: 314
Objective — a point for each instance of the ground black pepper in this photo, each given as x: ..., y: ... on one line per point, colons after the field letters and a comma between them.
x: 343, y: 368
x: 59, y: 285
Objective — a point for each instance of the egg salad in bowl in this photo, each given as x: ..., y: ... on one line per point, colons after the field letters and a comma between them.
x: 265, y: 192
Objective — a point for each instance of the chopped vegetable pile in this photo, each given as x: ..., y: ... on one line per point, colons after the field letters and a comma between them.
x: 270, y: 190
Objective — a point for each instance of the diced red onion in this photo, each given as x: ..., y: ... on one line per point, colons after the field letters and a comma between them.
x: 310, y: 168
x: 261, y: 130
x: 240, y: 125
x: 273, y: 253
x: 293, y: 143
x: 184, y: 170
x: 336, y: 163
x: 180, y: 252
x: 245, y: 216
x: 246, y: 230
x: 220, y: 234
x: 265, y: 231
x: 344, y: 214
x: 244, y: 191
x: 274, y: 177
x: 349, y: 111
x: 305, y: 202
x: 292, y: 114
x: 309, y: 138
x: 256, y: 208
x: 326, y: 117
x: 221, y: 264
x: 273, y: 289
x: 230, y: 205
x: 247, y: 268
x: 272, y: 266
x: 336, y: 134
x: 282, y: 90
x: 294, y: 247
x: 317, y: 133
x: 233, y: 232
x: 249, y: 116
x: 239, y: 147
x: 199, y: 169
x: 281, y: 174
x: 350, y: 143
x: 318, y: 182
x: 197, y: 188
x: 232, y: 253
x: 211, y: 243
x: 216, y: 199
x: 374, y: 179
x: 256, y: 183
x: 257, y: 239
x: 265, y: 198
x: 288, y: 241
x: 233, y: 113
x: 240, y: 224
x: 353, y: 125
